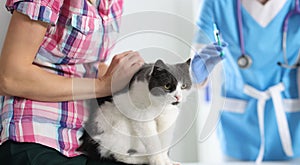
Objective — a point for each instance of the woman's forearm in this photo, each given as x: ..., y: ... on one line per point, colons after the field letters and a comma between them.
x: 19, y: 77
x: 37, y: 84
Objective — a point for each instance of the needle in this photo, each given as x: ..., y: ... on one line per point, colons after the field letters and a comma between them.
x: 217, y: 37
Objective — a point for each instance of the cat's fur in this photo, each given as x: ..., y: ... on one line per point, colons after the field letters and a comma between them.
x: 136, y: 125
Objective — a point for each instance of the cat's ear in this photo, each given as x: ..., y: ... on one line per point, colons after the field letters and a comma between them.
x: 159, y: 65
x: 188, y: 61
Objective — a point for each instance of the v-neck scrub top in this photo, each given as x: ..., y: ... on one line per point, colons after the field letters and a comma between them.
x: 261, y: 111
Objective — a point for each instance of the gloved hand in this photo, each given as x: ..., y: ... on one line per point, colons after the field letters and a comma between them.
x: 204, y: 61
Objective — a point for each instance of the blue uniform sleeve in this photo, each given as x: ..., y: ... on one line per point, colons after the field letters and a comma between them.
x: 205, y: 23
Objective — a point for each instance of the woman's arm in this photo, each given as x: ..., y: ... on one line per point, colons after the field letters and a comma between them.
x: 19, y: 77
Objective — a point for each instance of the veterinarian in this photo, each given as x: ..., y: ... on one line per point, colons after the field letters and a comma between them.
x: 48, y: 66
x: 261, y: 114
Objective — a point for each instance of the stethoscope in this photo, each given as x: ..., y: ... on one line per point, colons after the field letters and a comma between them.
x: 245, y: 61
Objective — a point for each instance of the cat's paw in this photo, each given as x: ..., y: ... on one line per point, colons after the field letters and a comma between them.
x: 159, y: 160
x: 164, y: 162
x: 170, y: 162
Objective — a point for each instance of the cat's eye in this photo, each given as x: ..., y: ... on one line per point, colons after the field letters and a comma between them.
x: 183, y: 86
x: 167, y: 86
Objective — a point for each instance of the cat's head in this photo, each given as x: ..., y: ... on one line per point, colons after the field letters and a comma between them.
x: 153, y: 87
x: 168, y: 83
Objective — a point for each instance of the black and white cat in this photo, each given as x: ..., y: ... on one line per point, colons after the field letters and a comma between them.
x: 136, y: 125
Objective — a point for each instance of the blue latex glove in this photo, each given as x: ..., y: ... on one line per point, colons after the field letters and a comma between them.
x: 204, y: 61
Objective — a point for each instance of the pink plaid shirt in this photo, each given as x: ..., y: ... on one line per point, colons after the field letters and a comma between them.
x: 81, y: 35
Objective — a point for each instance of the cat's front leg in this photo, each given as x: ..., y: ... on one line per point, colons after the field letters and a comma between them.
x: 166, y: 127
x: 159, y: 159
x: 148, y: 135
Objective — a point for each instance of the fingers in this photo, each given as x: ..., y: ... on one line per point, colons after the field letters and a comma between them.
x: 201, y: 56
x: 129, y: 61
x: 134, y: 58
x: 118, y: 60
x: 223, y: 44
x: 214, y: 47
x: 135, y: 62
x: 214, y: 60
x: 128, y: 56
x: 102, y: 68
x: 211, y: 52
x: 121, y: 55
x: 122, y: 68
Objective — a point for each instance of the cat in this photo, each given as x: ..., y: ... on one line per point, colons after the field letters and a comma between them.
x: 135, y: 125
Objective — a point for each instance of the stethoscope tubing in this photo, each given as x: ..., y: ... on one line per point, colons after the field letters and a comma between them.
x: 296, y: 10
x: 240, y: 26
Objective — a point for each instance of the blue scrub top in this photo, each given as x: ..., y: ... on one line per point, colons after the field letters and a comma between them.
x: 239, y: 133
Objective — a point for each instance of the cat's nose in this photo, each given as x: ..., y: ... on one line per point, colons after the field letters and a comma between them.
x: 177, y: 97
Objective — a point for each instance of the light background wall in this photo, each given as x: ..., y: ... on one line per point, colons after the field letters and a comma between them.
x: 189, y: 149
x: 4, y: 20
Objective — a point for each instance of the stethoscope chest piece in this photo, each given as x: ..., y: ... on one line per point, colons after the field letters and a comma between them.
x: 244, y: 61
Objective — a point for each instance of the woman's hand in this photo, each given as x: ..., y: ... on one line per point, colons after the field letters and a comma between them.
x: 121, y: 70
